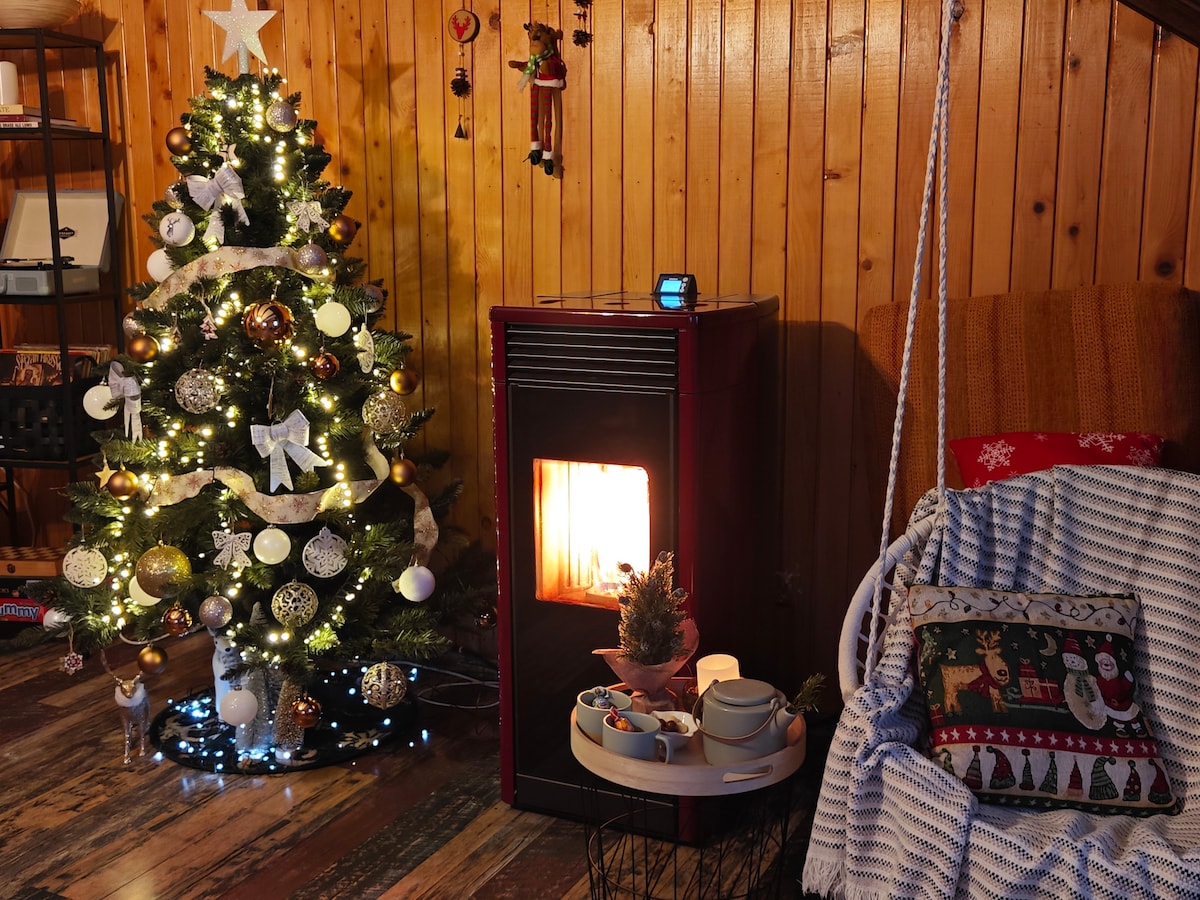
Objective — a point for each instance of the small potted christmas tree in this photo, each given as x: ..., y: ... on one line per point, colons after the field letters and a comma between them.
x: 656, y: 636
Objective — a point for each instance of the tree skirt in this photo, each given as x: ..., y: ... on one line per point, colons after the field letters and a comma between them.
x: 189, y: 732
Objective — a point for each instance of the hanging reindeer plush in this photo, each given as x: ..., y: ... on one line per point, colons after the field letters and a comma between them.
x: 546, y: 74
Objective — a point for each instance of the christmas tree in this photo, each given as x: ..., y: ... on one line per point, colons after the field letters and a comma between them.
x: 254, y: 477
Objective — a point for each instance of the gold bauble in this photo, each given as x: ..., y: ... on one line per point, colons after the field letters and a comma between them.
x: 163, y: 571
x: 384, y: 412
x: 403, y: 472
x: 343, y: 229
x: 306, y: 712
x: 267, y: 323
x: 325, y: 365
x: 176, y: 621
x: 152, y: 660
x: 384, y: 685
x: 179, y: 142
x: 122, y: 484
x: 404, y: 381
x: 142, y: 348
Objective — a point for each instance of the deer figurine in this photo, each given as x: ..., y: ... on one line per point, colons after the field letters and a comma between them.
x: 133, y: 703
x: 988, y: 678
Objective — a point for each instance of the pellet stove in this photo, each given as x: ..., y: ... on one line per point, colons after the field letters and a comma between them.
x: 623, y: 426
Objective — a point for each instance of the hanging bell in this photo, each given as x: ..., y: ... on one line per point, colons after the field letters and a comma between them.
x: 460, y: 132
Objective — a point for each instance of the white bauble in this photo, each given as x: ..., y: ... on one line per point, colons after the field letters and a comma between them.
x: 159, y: 265
x: 176, y: 229
x: 95, y: 399
x: 333, y: 319
x: 272, y: 545
x: 416, y: 583
x: 140, y: 595
x: 238, y: 707
x: 55, y: 618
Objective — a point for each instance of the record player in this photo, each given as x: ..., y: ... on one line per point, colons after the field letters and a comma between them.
x: 26, y: 263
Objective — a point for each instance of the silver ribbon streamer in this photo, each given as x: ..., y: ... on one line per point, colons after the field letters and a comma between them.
x: 225, y: 187
x: 127, y: 388
x: 307, y: 213
x: 290, y: 438
x: 233, y: 548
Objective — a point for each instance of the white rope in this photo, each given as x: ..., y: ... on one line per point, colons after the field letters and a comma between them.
x: 938, y: 152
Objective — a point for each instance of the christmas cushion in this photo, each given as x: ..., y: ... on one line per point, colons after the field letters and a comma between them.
x: 1032, y: 699
x: 994, y: 457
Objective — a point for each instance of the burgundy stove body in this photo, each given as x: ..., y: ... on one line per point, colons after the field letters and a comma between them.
x: 683, y: 394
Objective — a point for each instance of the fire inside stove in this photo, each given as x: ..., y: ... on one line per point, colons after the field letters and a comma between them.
x: 588, y: 519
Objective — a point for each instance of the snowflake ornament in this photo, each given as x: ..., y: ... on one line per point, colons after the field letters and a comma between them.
x: 71, y: 663
x: 84, y: 567
x: 325, y: 555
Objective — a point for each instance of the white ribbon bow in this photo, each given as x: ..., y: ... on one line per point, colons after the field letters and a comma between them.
x: 288, y: 437
x: 127, y: 387
x: 233, y: 548
x: 307, y: 213
x: 225, y: 187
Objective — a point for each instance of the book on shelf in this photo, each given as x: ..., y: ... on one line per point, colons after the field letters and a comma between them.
x: 101, y: 353
x: 14, y: 115
x: 21, y: 368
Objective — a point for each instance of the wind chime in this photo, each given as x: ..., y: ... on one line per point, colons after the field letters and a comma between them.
x: 464, y: 28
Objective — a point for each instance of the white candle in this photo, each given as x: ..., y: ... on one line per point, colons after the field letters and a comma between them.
x: 9, y: 90
x: 715, y: 667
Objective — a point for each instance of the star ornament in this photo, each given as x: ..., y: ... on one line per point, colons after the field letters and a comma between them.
x: 241, y: 28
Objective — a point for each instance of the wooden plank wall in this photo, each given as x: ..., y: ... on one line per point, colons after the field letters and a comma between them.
x: 766, y: 145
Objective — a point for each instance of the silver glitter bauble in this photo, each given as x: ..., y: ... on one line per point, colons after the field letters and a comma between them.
x: 384, y: 412
x: 282, y: 116
x: 216, y: 611
x: 384, y: 685
x: 196, y: 391
x: 311, y: 259
x: 294, y: 604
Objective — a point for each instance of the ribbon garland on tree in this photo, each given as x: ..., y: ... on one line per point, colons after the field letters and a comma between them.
x: 283, y: 439
x: 126, y: 387
x: 226, y: 261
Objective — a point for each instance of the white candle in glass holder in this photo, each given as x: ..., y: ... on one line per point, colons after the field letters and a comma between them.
x: 715, y: 667
x: 9, y: 88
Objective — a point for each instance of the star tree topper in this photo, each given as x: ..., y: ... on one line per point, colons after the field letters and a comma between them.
x: 241, y: 32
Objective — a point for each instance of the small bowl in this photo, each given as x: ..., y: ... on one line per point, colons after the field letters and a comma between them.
x: 589, y: 717
x: 677, y: 739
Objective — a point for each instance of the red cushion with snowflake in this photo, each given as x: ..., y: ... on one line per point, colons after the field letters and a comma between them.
x: 997, y: 456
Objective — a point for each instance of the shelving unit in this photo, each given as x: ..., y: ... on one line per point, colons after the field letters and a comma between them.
x: 44, y: 427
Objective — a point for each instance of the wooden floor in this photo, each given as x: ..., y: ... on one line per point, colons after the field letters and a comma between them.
x: 419, y: 817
